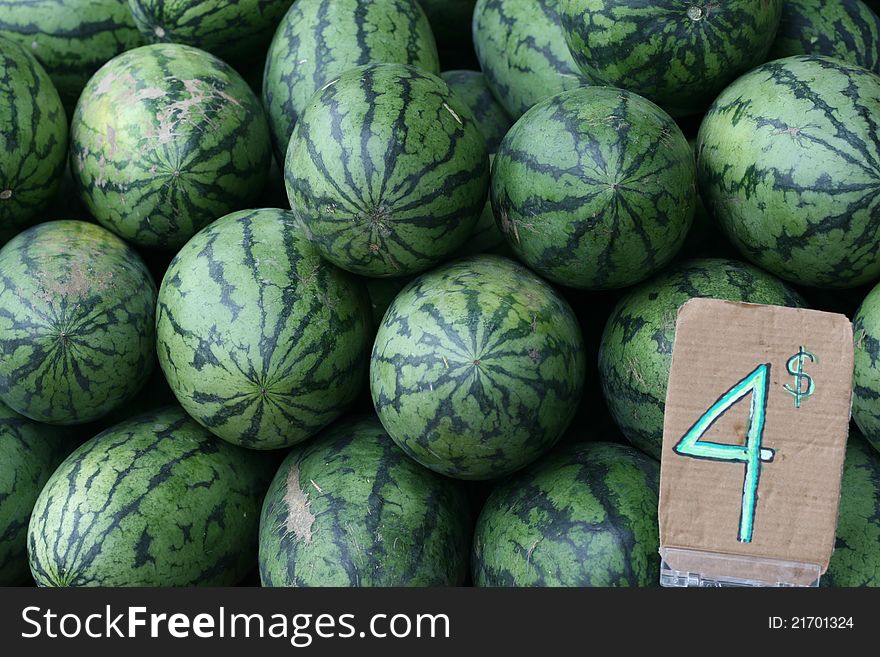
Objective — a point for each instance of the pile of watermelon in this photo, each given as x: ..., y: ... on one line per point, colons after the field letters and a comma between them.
x: 382, y: 292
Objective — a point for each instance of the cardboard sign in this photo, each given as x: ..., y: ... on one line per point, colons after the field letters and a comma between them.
x: 754, y: 437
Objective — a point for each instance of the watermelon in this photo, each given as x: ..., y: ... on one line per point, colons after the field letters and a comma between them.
x: 866, y: 377
x: 678, y: 54
x: 350, y: 509
x: 261, y: 341
x: 76, y: 322
x: 388, y: 170
x: 165, y: 140
x: 789, y: 163
x: 317, y: 41
x: 522, y: 52
x: 636, y: 347
x: 845, y: 29
x: 71, y: 38
x: 230, y: 30
x: 473, y: 90
x: 477, y: 368
x: 856, y: 558
x: 586, y: 515
x: 154, y: 501
x: 595, y: 188
x: 33, y: 139
x: 29, y: 454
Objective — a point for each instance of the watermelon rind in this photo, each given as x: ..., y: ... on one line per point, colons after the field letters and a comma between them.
x: 261, y: 341
x: 477, y: 368
x: 154, y: 501
x: 33, y: 140
x: 594, y: 188
x: 77, y: 308
x: 586, y: 515
x: 788, y: 162
x: 522, y: 52
x: 71, y: 38
x: 387, y: 170
x: 165, y: 139
x: 317, y: 41
x: 351, y: 509
x: 29, y: 454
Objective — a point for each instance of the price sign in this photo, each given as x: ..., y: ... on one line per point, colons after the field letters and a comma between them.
x: 755, y: 429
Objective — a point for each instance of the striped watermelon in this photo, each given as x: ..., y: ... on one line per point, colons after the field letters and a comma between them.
x: 155, y: 501
x: 76, y: 322
x: 261, y: 341
x: 866, y: 377
x: 318, y: 41
x: 585, y: 515
x: 636, y: 348
x: 522, y: 52
x: 595, y: 188
x: 29, y: 454
x: 165, y: 140
x: 474, y: 92
x: 477, y: 368
x: 856, y: 558
x: 845, y: 29
x: 71, y: 38
x: 350, y: 509
x: 230, y: 30
x: 678, y: 54
x: 789, y: 163
x: 33, y: 139
x: 388, y: 170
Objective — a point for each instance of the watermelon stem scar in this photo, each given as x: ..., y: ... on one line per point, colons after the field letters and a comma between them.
x: 5, y: 195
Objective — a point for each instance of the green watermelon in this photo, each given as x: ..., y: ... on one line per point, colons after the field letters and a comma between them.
x: 230, y: 30
x: 477, y: 368
x: 76, y: 322
x: 522, y: 52
x: 350, y: 509
x: 595, y: 188
x: 856, y: 558
x: 586, y: 515
x: 261, y: 341
x: 636, y: 348
x: 71, y: 38
x: 789, y: 162
x: 318, y: 41
x: 845, y: 29
x: 388, y: 170
x: 33, y: 139
x: 29, y: 454
x: 678, y: 54
x: 155, y: 501
x: 473, y: 90
x: 165, y: 140
x: 866, y: 377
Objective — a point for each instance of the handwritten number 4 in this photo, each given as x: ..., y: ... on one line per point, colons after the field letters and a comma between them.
x: 751, y: 454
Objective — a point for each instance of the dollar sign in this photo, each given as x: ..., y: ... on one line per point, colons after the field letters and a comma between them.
x: 795, y: 367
